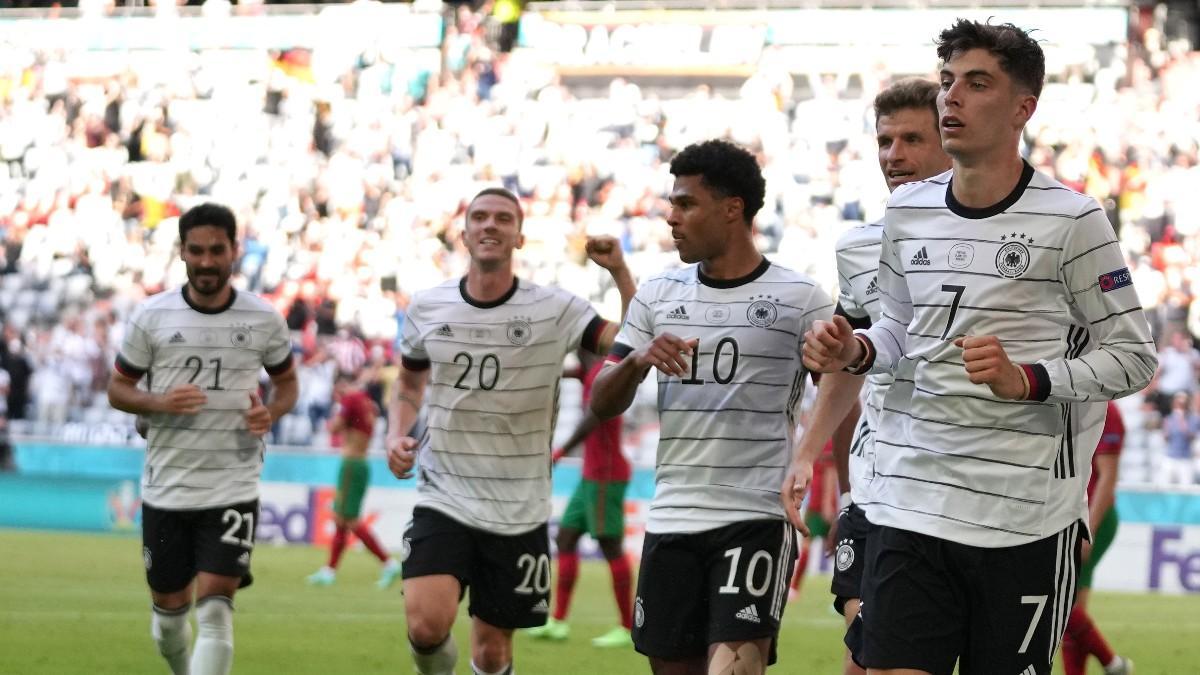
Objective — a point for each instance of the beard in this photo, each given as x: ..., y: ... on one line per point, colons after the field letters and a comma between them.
x: 208, y: 282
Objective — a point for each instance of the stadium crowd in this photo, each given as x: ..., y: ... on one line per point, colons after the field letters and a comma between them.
x: 351, y: 192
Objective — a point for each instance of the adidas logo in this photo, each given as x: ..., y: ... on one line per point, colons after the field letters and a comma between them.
x: 921, y: 258
x: 873, y: 287
x: 177, y: 338
x: 679, y: 312
x: 244, y: 559
x: 749, y: 613
x: 542, y: 607
x: 445, y: 331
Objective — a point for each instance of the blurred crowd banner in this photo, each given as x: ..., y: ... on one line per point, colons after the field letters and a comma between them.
x: 95, y: 488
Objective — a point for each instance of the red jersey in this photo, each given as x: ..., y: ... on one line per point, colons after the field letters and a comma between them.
x: 602, y: 458
x: 817, y: 489
x: 1111, y: 440
x: 358, y: 412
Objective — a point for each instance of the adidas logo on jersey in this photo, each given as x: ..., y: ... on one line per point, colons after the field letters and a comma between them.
x: 679, y: 312
x: 177, y: 338
x: 445, y: 331
x: 541, y: 607
x: 749, y: 613
x: 921, y: 258
x: 873, y: 287
x: 244, y: 559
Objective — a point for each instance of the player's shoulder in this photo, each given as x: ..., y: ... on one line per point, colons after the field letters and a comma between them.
x: 778, y: 273
x: 859, y: 235
x: 245, y: 301
x: 917, y: 194
x: 447, y: 291
x: 158, y: 305
x: 687, y: 275
x: 1045, y: 194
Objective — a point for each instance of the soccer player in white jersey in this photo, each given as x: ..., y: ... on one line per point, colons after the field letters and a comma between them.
x: 201, y: 348
x: 1008, y: 320
x: 490, y: 348
x: 910, y: 148
x: 724, y: 333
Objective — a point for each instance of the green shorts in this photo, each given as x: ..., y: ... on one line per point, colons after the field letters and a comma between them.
x: 598, y: 508
x: 351, y: 487
x: 817, y: 525
x: 1102, y: 538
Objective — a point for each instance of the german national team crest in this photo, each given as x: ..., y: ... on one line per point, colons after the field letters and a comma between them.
x: 639, y: 614
x: 519, y: 331
x: 845, y: 555
x: 147, y: 559
x: 762, y: 312
x: 240, y: 335
x: 1013, y: 257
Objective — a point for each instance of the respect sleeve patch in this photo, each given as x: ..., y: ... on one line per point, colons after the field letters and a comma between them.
x: 1114, y: 280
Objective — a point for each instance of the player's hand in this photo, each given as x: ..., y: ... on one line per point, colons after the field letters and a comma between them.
x: 987, y: 363
x: 258, y: 416
x: 830, y: 346
x: 401, y: 455
x: 669, y: 353
x: 791, y: 493
x: 606, y: 252
x: 183, y: 399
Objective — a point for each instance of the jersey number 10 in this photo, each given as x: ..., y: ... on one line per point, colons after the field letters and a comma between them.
x: 726, y: 378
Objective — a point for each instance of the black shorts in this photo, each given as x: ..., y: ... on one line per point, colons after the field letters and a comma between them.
x: 508, y: 576
x: 178, y: 544
x: 850, y: 556
x: 929, y: 602
x: 724, y: 585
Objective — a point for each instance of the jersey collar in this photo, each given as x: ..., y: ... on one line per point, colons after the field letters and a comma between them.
x: 462, y: 289
x: 733, y: 283
x: 208, y: 310
x: 995, y: 209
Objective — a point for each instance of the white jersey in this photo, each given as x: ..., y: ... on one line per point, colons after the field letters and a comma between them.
x: 1042, y: 271
x: 484, y: 458
x: 858, y: 300
x: 728, y: 426
x: 208, y: 459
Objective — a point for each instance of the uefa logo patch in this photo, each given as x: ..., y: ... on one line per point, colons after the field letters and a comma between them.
x: 639, y: 614
x: 845, y: 555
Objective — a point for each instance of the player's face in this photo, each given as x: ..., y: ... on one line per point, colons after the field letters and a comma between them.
x: 493, y: 229
x: 909, y: 146
x: 208, y: 255
x: 699, y: 219
x: 981, y: 108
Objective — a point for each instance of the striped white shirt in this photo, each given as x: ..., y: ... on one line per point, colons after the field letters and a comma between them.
x: 484, y: 458
x: 858, y: 300
x: 208, y: 459
x: 727, y: 427
x: 1042, y: 271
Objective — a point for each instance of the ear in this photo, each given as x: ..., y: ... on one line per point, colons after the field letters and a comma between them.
x: 520, y: 240
x: 1026, y: 106
x: 735, y: 207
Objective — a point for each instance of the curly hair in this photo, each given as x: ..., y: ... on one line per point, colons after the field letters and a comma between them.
x: 208, y: 214
x: 727, y: 170
x: 1020, y: 56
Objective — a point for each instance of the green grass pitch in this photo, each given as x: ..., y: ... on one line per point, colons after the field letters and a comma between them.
x: 74, y: 603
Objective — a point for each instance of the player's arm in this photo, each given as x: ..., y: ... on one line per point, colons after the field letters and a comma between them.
x: 124, y: 395
x: 617, y: 383
x: 407, y: 397
x: 285, y: 391
x: 836, y: 407
x: 606, y: 252
x: 586, y: 426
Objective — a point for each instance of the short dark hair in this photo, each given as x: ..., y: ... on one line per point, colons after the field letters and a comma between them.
x: 1020, y: 56
x: 726, y: 169
x: 500, y: 192
x: 911, y: 93
x: 208, y: 214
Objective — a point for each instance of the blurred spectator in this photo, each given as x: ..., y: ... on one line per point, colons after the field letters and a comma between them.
x: 1180, y: 425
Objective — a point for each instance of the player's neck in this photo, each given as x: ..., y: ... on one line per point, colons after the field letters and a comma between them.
x: 740, y: 259
x: 982, y: 182
x: 215, y: 302
x: 489, y: 285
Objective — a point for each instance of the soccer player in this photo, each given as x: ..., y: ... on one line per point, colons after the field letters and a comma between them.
x: 1082, y: 638
x: 910, y: 148
x: 355, y: 422
x: 1008, y: 318
x: 597, y: 507
x: 724, y: 333
x: 490, y: 348
x: 201, y: 349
